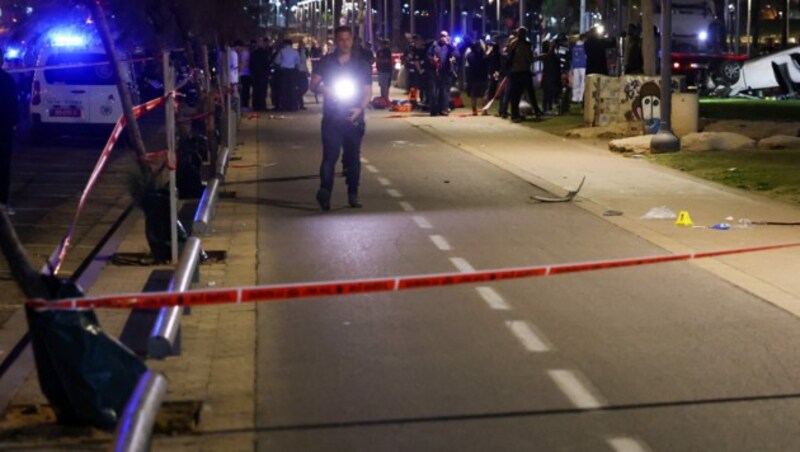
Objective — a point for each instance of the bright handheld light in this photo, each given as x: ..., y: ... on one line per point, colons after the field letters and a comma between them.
x: 703, y: 35
x: 344, y: 89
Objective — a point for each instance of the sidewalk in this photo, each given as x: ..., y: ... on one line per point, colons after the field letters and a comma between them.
x: 216, y: 368
x: 634, y: 186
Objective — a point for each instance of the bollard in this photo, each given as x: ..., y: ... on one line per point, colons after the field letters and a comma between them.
x: 165, y: 335
x: 135, y: 427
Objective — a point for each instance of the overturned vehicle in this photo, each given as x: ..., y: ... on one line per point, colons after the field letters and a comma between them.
x: 777, y: 73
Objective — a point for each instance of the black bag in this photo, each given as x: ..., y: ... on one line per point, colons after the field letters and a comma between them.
x: 86, y: 375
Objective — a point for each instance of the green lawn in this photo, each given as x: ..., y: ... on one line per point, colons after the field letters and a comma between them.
x: 774, y: 173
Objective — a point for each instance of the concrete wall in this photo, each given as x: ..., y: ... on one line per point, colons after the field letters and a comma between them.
x: 633, y: 101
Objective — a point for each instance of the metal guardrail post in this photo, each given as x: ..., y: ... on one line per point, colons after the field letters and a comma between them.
x: 135, y: 426
x: 224, y: 160
x: 205, y: 210
x: 165, y: 336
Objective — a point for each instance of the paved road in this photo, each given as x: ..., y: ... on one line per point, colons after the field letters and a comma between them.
x: 651, y: 358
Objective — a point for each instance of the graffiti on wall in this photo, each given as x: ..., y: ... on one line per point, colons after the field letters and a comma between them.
x: 642, y: 101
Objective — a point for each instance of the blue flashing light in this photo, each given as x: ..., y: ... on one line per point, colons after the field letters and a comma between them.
x: 61, y: 39
x: 13, y: 53
x: 458, y: 40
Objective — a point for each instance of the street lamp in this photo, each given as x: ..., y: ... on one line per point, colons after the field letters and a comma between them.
x: 665, y: 140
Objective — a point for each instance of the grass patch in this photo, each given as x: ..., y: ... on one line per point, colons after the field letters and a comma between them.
x: 770, y: 172
x: 750, y: 109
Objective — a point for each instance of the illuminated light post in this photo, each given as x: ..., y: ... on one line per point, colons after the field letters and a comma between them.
x: 665, y: 140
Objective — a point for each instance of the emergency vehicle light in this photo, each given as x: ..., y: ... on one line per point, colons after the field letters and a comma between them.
x: 67, y: 40
x: 12, y: 53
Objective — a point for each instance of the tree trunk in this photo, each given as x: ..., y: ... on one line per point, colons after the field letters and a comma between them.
x: 25, y: 274
x: 134, y: 133
x: 648, y: 38
x: 755, y: 27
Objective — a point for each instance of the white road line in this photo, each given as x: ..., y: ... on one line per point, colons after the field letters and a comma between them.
x: 462, y: 265
x: 493, y: 298
x: 575, y: 390
x: 531, y: 339
x: 394, y: 193
x: 384, y: 181
x: 422, y: 222
x: 371, y: 169
x: 407, y: 206
x: 625, y: 444
x: 440, y: 242
x: 363, y: 160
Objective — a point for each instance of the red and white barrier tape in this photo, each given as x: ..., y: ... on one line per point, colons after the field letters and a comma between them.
x: 138, y: 111
x: 337, y: 288
x: 76, y: 65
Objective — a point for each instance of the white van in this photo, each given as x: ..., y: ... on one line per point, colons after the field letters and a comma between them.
x: 73, y: 99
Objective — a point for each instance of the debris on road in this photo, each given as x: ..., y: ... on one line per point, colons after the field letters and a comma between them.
x: 659, y: 213
x: 569, y: 197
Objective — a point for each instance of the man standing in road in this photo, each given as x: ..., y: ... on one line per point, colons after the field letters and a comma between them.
x: 384, y: 65
x: 9, y: 116
x: 443, y: 58
x: 345, y: 81
x: 520, y: 58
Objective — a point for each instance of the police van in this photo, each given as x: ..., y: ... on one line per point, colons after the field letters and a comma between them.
x: 74, y: 91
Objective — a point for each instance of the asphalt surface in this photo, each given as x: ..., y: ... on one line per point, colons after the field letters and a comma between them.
x: 665, y: 357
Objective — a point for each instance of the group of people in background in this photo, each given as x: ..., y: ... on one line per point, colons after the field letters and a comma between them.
x: 279, y: 70
x: 274, y: 70
x: 503, y: 68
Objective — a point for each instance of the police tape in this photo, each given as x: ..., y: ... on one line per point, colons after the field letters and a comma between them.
x: 76, y: 65
x: 138, y: 111
x: 282, y: 292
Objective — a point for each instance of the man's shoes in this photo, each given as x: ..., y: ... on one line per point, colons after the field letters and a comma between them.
x: 352, y: 199
x: 324, y: 199
x: 517, y: 119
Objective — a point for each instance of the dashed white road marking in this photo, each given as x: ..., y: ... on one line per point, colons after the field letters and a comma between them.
x: 462, y: 265
x: 531, y: 339
x: 625, y: 444
x: 440, y: 242
x: 384, y: 181
x: 422, y: 222
x: 576, y: 391
x: 363, y: 160
x: 407, y: 206
x: 372, y: 169
x: 493, y: 298
x: 394, y: 193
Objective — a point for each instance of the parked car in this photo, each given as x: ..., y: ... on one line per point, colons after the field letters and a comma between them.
x: 81, y: 96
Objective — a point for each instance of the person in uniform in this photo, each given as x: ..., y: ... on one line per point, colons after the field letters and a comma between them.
x: 345, y: 81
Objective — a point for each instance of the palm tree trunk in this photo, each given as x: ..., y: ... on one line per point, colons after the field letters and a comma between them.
x: 648, y: 38
x: 134, y: 133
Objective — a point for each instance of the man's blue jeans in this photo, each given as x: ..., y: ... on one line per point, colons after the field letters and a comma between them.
x: 340, y: 134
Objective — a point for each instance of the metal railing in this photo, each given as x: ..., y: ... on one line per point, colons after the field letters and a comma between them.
x: 165, y: 336
x: 135, y: 427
